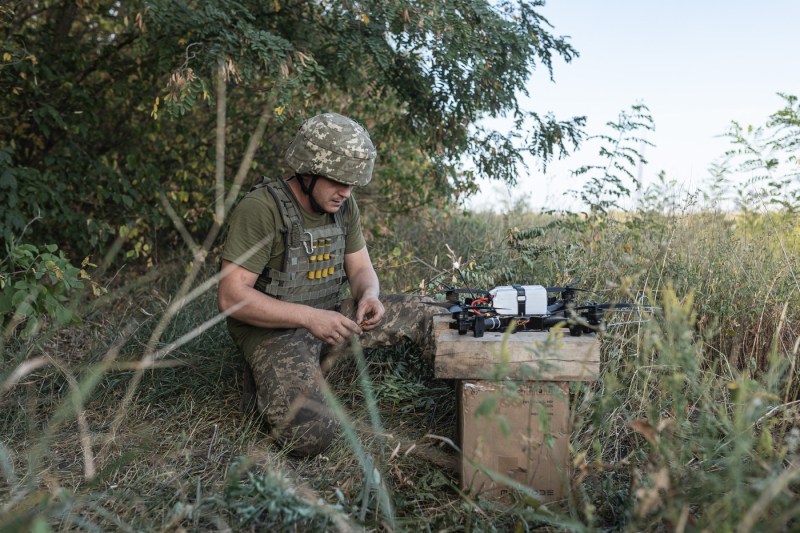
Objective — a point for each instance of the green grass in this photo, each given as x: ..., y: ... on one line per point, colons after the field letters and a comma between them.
x: 692, y: 425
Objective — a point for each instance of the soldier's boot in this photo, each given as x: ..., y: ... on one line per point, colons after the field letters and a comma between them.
x: 309, y: 430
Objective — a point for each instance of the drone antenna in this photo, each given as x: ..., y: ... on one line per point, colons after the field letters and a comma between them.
x: 466, y: 285
x: 457, y: 267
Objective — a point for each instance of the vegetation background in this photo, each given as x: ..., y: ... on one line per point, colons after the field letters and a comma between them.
x: 128, y: 129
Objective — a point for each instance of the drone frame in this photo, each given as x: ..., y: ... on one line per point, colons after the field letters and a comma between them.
x: 477, y: 314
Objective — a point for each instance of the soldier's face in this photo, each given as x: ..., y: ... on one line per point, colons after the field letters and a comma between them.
x: 330, y: 195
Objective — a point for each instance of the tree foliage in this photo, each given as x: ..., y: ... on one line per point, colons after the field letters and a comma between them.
x: 621, y: 156
x: 106, y: 103
x: 766, y: 156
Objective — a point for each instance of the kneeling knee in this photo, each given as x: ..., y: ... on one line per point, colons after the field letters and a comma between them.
x: 308, y: 434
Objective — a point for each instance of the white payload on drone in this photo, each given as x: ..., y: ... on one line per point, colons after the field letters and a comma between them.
x: 520, y: 300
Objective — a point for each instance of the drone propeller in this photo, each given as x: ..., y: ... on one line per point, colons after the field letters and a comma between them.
x: 467, y: 291
x: 458, y: 308
x: 606, y: 306
x: 454, y: 292
x: 616, y: 306
x: 626, y: 322
x: 567, y: 288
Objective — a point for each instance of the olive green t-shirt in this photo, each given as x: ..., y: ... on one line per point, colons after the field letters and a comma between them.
x: 254, y: 241
x: 254, y: 238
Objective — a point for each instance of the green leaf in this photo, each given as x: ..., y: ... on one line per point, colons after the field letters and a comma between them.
x: 31, y: 327
x: 18, y: 297
x: 5, y: 303
x: 40, y: 525
x: 64, y: 316
x: 25, y: 309
x: 7, y: 180
x: 487, y: 407
x: 505, y: 427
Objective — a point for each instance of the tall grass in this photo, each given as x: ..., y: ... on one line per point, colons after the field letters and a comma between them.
x: 692, y: 425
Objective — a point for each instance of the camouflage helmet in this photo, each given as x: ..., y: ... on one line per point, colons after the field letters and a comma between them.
x: 335, y: 147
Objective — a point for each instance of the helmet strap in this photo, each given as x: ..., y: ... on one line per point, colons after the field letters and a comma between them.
x: 308, y: 189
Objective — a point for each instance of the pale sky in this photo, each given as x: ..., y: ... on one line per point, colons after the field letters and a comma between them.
x: 697, y: 65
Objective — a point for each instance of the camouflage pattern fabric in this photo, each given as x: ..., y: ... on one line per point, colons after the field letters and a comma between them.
x: 333, y: 146
x: 408, y: 319
x: 287, y: 379
x: 287, y: 372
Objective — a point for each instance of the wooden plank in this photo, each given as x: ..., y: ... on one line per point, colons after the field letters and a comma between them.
x: 527, y: 355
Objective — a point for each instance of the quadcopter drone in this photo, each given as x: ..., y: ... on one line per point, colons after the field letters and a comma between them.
x: 527, y: 308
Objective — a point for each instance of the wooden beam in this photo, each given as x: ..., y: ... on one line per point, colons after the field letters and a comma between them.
x: 527, y: 355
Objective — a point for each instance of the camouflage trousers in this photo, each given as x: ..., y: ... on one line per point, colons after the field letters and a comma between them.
x: 286, y: 368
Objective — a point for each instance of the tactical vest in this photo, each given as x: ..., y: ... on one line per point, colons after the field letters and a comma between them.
x: 313, y: 261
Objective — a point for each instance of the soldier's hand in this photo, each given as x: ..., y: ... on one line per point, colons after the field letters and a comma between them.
x: 369, y: 313
x: 332, y: 327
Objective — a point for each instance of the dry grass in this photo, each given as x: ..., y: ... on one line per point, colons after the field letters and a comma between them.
x: 692, y: 426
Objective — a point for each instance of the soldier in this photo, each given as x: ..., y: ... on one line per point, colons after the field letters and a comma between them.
x: 291, y: 244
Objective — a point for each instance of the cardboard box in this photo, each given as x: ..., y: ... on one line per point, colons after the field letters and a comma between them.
x: 534, y: 449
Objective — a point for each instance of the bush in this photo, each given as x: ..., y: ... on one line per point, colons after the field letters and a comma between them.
x: 39, y: 286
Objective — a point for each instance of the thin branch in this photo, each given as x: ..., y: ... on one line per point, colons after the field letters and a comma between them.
x: 176, y: 220
x: 247, y: 159
x: 84, y: 435
x: 219, y: 174
x: 184, y: 295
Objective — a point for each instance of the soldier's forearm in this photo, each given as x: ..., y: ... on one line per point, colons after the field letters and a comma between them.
x: 365, y: 286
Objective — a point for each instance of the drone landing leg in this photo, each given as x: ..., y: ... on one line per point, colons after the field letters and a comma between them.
x: 480, y: 326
